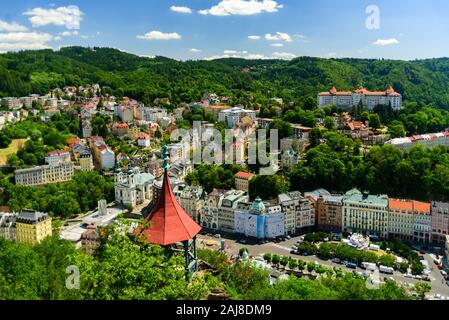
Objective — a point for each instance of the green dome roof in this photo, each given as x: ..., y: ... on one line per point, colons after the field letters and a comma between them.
x: 258, y: 205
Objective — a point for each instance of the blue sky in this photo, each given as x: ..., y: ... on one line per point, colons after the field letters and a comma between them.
x: 201, y: 29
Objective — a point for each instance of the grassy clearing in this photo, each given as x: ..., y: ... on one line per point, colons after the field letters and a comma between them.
x: 15, y: 145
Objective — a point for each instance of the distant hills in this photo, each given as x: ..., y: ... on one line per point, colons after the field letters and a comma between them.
x: 249, y: 81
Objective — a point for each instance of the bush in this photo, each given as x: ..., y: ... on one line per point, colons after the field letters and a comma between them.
x: 267, y: 257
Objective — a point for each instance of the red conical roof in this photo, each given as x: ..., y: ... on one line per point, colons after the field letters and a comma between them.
x: 168, y: 222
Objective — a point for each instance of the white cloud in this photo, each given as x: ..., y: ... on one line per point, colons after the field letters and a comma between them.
x: 254, y: 37
x: 181, y: 9
x: 242, y: 7
x: 24, y: 41
x: 385, y: 42
x: 231, y: 52
x: 69, y: 16
x: 332, y: 55
x: 195, y: 50
x: 4, y: 46
x: 11, y: 26
x: 278, y: 45
x: 57, y: 38
x: 279, y: 36
x: 284, y: 55
x: 30, y: 37
x: 69, y: 33
x: 157, y: 35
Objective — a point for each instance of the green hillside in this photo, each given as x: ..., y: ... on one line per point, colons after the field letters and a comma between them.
x: 249, y: 81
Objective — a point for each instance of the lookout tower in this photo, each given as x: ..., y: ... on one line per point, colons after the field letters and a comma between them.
x: 169, y: 224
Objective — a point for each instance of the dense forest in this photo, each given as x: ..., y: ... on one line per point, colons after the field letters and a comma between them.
x: 253, y: 82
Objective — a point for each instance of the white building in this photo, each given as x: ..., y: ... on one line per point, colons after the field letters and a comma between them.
x: 348, y: 99
x: 364, y: 213
x: 7, y: 226
x: 143, y: 140
x: 233, y: 116
x: 41, y: 175
x: 426, y: 140
x: 133, y: 188
x: 191, y: 199
x: 227, y: 207
x: 260, y: 221
x: 57, y: 157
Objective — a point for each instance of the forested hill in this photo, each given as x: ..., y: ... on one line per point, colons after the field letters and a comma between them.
x: 250, y: 81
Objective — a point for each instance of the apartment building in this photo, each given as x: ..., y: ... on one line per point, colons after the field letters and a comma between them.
x: 7, y: 226
x: 364, y: 213
x: 32, y: 226
x: 407, y: 220
x: 242, y: 180
x: 191, y: 199
x: 440, y: 222
x: 226, y: 209
x: 83, y: 157
x: 329, y: 212
x: 209, y: 211
x: 57, y: 157
x: 104, y: 157
x: 232, y: 117
x: 299, y: 212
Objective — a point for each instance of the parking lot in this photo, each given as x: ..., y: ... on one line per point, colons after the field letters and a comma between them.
x: 283, y: 248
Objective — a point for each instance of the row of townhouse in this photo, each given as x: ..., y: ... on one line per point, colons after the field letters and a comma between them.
x: 379, y: 215
x: 230, y: 211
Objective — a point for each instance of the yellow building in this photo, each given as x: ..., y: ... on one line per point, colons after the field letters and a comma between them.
x: 32, y: 226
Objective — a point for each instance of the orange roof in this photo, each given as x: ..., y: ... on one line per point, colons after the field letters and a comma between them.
x: 334, y: 92
x: 218, y: 107
x: 409, y: 206
x: 143, y: 136
x: 244, y: 175
x: 56, y: 152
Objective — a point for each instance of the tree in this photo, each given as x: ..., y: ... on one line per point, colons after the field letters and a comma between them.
x: 374, y: 121
x: 396, y: 129
x: 284, y: 128
x: 266, y: 186
x: 315, y: 136
x: 275, y: 259
x: 422, y: 288
x: 329, y: 123
x: 293, y: 264
x: 284, y: 261
x: 311, y: 266
x: 267, y: 257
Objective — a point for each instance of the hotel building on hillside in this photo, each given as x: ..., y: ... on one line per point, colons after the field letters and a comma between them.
x: 242, y: 180
x: 365, y: 213
x: 329, y: 212
x: 348, y: 99
x: 59, y: 168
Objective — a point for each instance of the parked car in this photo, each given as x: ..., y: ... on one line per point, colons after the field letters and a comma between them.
x: 336, y: 260
x: 351, y: 265
x: 418, y: 277
x: 288, y: 237
x: 408, y: 275
x: 217, y: 236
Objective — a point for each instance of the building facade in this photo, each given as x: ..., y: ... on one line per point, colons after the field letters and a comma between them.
x: 41, y: 175
x: 364, y: 213
x: 32, y: 226
x: 242, y: 180
x: 329, y: 212
x: 440, y: 222
x: 349, y: 99
x: 226, y: 209
x: 260, y: 221
x: 133, y: 188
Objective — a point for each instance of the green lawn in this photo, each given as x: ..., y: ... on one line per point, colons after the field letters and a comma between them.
x: 15, y: 145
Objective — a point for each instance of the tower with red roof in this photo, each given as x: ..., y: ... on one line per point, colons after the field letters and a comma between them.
x: 169, y: 224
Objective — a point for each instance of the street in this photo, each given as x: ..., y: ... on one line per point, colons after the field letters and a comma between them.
x: 283, y: 249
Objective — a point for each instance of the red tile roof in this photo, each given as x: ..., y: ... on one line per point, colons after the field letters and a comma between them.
x: 409, y: 206
x: 168, y: 223
x: 244, y: 175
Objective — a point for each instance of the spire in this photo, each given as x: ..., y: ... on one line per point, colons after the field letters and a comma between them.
x: 168, y: 221
x: 165, y: 157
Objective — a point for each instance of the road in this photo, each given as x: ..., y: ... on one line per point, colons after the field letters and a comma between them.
x: 283, y: 249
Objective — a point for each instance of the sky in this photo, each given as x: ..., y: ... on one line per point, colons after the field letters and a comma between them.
x: 207, y: 29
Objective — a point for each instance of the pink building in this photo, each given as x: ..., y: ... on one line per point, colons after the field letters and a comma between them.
x: 440, y: 222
